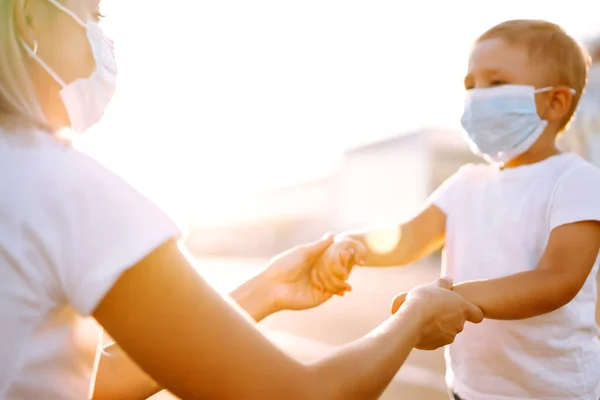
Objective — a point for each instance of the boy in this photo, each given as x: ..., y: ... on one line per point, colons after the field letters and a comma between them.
x: 521, y: 233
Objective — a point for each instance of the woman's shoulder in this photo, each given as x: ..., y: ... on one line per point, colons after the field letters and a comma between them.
x: 46, y: 182
x: 40, y: 162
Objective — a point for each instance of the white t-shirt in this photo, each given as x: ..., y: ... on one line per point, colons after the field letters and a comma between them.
x: 68, y: 229
x: 498, y: 224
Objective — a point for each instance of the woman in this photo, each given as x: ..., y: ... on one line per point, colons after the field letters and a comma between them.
x: 77, y: 241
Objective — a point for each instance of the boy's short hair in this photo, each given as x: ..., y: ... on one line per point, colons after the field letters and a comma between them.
x: 547, y: 42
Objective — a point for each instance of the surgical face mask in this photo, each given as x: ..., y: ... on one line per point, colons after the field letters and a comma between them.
x: 86, y: 99
x: 502, y: 122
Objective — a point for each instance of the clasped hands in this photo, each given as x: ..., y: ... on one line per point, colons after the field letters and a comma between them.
x: 308, y: 275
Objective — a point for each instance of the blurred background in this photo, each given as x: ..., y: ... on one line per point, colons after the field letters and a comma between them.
x: 261, y: 125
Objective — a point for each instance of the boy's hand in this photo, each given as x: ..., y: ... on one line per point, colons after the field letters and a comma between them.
x: 333, y: 268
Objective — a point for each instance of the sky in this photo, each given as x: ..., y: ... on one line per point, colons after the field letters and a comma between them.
x: 219, y: 99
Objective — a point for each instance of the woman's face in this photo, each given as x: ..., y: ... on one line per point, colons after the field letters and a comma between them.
x: 61, y: 42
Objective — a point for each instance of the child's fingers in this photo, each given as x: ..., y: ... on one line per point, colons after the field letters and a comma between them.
x: 345, y: 257
x: 341, y: 270
x: 314, y: 279
x: 331, y: 282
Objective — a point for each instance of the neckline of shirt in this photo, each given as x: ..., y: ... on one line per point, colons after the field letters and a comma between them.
x: 529, y: 169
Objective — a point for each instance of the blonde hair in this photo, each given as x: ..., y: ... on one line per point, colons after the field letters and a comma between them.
x: 18, y: 97
x: 549, y: 44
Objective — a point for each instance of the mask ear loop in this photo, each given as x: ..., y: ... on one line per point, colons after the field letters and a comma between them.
x: 33, y: 54
x: 68, y: 12
x: 548, y: 88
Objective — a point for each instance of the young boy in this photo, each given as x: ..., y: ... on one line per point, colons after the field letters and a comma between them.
x: 521, y: 233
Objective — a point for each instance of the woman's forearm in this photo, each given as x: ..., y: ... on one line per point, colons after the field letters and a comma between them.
x: 119, y: 377
x: 363, y: 369
x: 255, y: 297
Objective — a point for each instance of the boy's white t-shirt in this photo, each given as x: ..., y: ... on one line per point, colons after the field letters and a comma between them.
x: 68, y: 229
x: 498, y: 224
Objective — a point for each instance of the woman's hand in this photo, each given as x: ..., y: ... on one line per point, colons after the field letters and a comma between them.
x: 289, y: 275
x: 444, y: 312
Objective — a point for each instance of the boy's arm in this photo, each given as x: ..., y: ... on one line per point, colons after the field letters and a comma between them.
x: 404, y: 243
x: 563, y: 269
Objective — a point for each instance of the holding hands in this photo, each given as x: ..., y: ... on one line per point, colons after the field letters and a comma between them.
x: 331, y: 271
x: 444, y: 312
x: 308, y: 275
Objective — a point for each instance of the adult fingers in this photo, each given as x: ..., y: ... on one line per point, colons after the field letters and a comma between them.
x: 439, y: 340
x: 472, y: 312
x: 398, y: 301
x: 445, y: 282
x: 328, y: 280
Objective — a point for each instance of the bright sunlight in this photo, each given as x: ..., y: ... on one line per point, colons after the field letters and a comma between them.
x: 219, y: 100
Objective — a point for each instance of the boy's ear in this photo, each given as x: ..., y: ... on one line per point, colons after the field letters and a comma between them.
x: 560, y: 99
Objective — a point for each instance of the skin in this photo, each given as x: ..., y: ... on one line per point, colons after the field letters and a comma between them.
x: 61, y: 43
x: 488, y: 67
x: 138, y: 314
x: 186, y: 337
x: 571, y: 250
x: 285, y: 285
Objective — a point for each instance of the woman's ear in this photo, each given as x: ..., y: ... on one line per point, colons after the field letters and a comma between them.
x: 24, y: 13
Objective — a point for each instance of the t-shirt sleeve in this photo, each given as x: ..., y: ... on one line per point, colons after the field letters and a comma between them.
x: 95, y: 226
x: 576, y: 197
x: 444, y: 197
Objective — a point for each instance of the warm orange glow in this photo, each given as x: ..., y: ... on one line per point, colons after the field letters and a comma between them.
x: 383, y: 241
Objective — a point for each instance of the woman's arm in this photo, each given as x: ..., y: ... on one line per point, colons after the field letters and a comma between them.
x: 197, y: 345
x: 119, y: 377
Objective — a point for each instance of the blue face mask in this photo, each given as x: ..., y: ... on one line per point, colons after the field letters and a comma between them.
x: 502, y: 122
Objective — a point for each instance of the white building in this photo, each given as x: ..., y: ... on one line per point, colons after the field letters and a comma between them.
x: 390, y: 179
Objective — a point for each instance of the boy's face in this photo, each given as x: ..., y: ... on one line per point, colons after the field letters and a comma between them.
x: 494, y: 62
